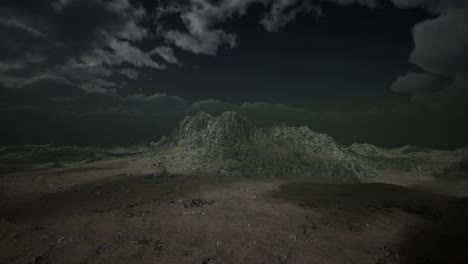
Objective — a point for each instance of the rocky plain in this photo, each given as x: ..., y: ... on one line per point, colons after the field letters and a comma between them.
x: 222, y: 190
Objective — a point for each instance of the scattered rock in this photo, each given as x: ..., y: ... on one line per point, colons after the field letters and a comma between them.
x: 310, y: 231
x: 135, y: 204
x: 61, y: 242
x: 388, y: 251
x: 190, y: 203
x: 282, y: 259
x: 293, y: 237
x: 39, y: 259
x: 156, y: 244
x: 194, y: 213
x: 100, y: 249
x: 209, y: 260
x: 44, y: 236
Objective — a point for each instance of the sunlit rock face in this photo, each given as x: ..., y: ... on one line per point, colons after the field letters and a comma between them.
x: 232, y: 145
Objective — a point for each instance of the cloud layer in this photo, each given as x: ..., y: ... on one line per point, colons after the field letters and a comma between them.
x: 88, y: 40
x: 59, y: 61
x: 80, y: 40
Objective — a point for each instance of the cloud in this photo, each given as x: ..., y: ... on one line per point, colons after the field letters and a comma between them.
x: 100, y: 86
x: 17, y: 24
x: 441, y: 44
x: 49, y: 87
x: 83, y: 40
x: 427, y: 89
x: 206, y: 42
x: 203, y: 17
x: 434, y: 6
x: 451, y: 96
x: 166, y: 53
x: 285, y: 11
x: 200, y: 18
x: 441, y: 49
x: 125, y: 52
x: 68, y: 38
x: 414, y: 83
x: 130, y: 73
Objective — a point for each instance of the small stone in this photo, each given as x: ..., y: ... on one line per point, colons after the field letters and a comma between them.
x: 209, y: 261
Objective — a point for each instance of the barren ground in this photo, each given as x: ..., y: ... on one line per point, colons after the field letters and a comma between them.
x: 117, y: 211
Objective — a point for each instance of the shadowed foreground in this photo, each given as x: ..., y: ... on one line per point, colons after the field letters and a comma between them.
x: 123, y: 212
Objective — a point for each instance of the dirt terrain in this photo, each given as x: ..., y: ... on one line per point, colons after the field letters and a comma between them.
x: 116, y: 209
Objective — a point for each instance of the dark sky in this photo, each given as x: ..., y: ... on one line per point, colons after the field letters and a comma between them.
x: 311, y: 60
x: 83, y: 72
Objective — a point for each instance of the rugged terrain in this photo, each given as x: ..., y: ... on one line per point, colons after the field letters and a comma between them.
x: 222, y: 190
x: 231, y: 145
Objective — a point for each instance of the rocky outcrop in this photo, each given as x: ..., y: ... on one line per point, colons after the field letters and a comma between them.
x: 304, y: 140
x: 407, y: 158
x: 232, y: 145
x: 203, y: 130
x: 367, y: 150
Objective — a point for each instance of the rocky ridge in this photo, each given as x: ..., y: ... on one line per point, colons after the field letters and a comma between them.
x: 409, y: 158
x: 202, y: 130
x: 232, y: 145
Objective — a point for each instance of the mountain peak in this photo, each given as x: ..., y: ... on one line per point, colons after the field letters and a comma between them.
x: 230, y: 137
x: 204, y: 130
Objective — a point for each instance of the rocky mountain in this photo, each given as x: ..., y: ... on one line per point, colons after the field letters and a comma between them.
x: 409, y: 158
x: 202, y: 130
x: 232, y: 145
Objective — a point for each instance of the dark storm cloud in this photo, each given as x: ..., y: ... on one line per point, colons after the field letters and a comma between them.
x: 82, y: 40
x: 166, y: 53
x: 130, y: 73
x: 283, y: 12
x: 441, y: 44
x: 202, y: 18
x: 434, y: 6
x: 75, y: 39
x: 441, y: 48
x: 435, y: 91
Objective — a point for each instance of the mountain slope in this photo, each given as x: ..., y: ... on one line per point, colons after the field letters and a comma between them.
x: 232, y: 145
